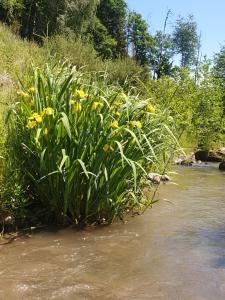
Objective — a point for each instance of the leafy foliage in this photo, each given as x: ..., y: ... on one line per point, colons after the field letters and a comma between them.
x: 185, y: 39
x: 194, y: 110
x: 79, y: 149
x: 142, y: 43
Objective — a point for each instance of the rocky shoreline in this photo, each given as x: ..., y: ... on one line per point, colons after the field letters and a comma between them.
x: 202, y: 158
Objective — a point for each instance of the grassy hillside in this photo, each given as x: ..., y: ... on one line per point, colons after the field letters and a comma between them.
x: 15, y: 55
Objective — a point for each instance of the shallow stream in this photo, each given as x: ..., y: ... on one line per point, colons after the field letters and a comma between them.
x: 176, y: 250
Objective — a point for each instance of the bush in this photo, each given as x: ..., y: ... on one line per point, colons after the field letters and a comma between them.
x: 79, y: 148
x: 195, y: 107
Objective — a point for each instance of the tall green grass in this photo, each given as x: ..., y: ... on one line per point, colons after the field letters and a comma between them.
x: 77, y: 149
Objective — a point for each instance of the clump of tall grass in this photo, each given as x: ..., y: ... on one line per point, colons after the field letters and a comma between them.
x: 77, y: 149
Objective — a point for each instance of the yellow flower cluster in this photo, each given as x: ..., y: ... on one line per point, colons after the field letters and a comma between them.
x: 117, y: 113
x: 150, y: 108
x: 114, y: 125
x: 76, y: 107
x: 36, y: 118
x: 107, y: 148
x: 121, y: 97
x: 96, y: 104
x: 45, y: 131
x: 135, y: 124
x: 79, y: 94
x: 23, y: 94
x: 32, y: 90
x: 48, y: 111
x: 31, y: 124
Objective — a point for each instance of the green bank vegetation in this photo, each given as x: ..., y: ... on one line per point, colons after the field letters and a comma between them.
x: 95, y: 103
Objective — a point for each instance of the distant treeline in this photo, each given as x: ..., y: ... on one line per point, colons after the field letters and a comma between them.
x: 113, y: 30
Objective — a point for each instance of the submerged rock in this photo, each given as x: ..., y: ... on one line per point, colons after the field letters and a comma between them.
x: 187, y: 160
x: 222, y: 166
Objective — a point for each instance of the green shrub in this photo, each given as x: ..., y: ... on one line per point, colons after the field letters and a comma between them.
x: 79, y: 148
x: 195, y: 107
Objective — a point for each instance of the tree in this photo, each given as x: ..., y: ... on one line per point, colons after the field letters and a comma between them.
x: 185, y: 40
x: 141, y: 42
x: 163, y: 64
x: 113, y: 15
x: 219, y: 71
x: 104, y: 44
x: 219, y: 63
x: 40, y: 17
x: 78, y: 16
x: 10, y: 10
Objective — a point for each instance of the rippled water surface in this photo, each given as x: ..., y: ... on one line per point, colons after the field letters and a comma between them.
x: 174, y: 251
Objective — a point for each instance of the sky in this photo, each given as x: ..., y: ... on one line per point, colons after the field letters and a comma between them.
x: 209, y: 15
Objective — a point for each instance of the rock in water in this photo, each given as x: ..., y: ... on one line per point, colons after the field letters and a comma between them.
x: 157, y: 178
x: 222, y: 166
x: 211, y: 155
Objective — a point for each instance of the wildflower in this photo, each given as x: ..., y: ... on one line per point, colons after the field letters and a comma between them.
x: 31, y: 124
x: 32, y: 90
x: 76, y: 107
x: 22, y: 94
x: 121, y: 97
x: 150, y: 108
x: 135, y: 124
x: 139, y: 124
x: 114, y: 125
x: 45, y: 131
x: 35, y: 117
x: 107, y: 148
x: 49, y: 111
x: 38, y: 119
x: 117, y: 104
x: 117, y: 113
x: 96, y: 104
x: 79, y: 94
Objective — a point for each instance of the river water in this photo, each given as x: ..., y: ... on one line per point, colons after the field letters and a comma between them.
x: 176, y: 250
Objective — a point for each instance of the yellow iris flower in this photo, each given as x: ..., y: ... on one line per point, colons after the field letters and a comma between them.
x: 117, y: 113
x: 32, y: 90
x: 76, y: 107
x: 31, y: 124
x: 23, y: 94
x: 114, y: 125
x: 36, y: 117
x: 45, y: 131
x: 49, y: 111
x: 150, y: 108
x: 107, y: 148
x: 135, y: 124
x: 79, y: 94
x: 96, y: 104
